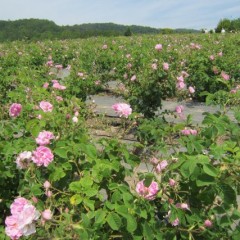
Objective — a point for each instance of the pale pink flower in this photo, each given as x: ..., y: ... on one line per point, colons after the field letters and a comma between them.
x: 154, y: 66
x: 158, y: 47
x: 68, y: 67
x: 172, y: 182
x: 46, y: 106
x: 133, y: 78
x: 59, y: 66
x: 193, y: 131
x: 48, y: 193
x: 211, y: 58
x: 125, y: 76
x: 42, y: 156
x: 233, y: 91
x: 45, y: 85
x: 104, y: 46
x: 220, y: 54
x: 97, y: 82
x: 147, y: 192
x: 44, y: 138
x: 18, y: 204
x: 128, y: 55
x: 76, y: 114
x: 47, y: 185
x: 34, y: 199
x: 184, y: 74
x: 180, y: 85
x: 47, y: 214
x: 75, y: 119
x: 180, y: 79
x: 191, y: 90
x: 49, y: 63
x: 165, y: 66
x: 80, y: 74
x: 179, y: 109
x: 208, y: 223
x: 122, y: 109
x: 225, y: 76
x: 215, y: 70
x: 23, y: 159
x: 161, y: 166
x: 129, y: 65
x: 175, y: 222
x: 59, y: 86
x: 54, y: 81
x: 39, y: 116
x: 12, y: 229
x: 15, y: 110
x: 59, y: 98
x: 189, y: 132
x: 183, y: 206
x: 154, y: 161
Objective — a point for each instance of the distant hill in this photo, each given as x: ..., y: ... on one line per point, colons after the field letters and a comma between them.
x: 39, y: 29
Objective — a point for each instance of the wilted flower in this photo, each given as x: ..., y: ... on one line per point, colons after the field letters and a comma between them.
x: 23, y: 159
x: 172, y: 182
x: 154, y: 66
x: 122, y: 109
x: 15, y: 110
x: 183, y: 206
x: 149, y: 192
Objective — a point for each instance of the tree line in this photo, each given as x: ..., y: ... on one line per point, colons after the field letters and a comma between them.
x: 40, y: 29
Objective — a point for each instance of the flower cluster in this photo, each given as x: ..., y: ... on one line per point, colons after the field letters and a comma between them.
x: 22, y: 220
x: 187, y: 132
x: 42, y: 156
x: 57, y: 85
x: 46, y: 106
x: 23, y: 159
x: 122, y: 109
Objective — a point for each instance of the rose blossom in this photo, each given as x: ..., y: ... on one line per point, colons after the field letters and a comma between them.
x: 154, y: 66
x: 179, y: 109
x: 225, y: 76
x: 46, y: 106
x: 147, y: 192
x: 165, y: 66
x: 180, y: 85
x: 45, y: 85
x: 133, y: 78
x: 44, y: 138
x: 75, y: 119
x: 47, y: 185
x: 23, y: 159
x: 42, y: 156
x: 15, y: 110
x: 161, y: 166
x: 158, y: 47
x: 47, y: 214
x: 58, y: 86
x: 18, y: 204
x: 154, y: 161
x: 104, y: 46
x: 211, y: 57
x: 183, y: 206
x: 208, y: 223
x: 122, y: 109
x: 191, y: 90
x: 172, y: 182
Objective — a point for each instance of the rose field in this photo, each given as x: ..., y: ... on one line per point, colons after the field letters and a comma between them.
x: 172, y: 180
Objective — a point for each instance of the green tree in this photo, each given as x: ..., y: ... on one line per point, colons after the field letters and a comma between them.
x: 128, y: 32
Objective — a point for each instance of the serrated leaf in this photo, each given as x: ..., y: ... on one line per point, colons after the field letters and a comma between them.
x: 100, y: 216
x: 114, y: 221
x: 131, y: 224
x: 61, y: 152
x: 210, y: 170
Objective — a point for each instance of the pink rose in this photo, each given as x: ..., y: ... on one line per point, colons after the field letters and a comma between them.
x: 191, y: 90
x: 47, y: 185
x: 172, y: 182
x: 46, y: 106
x: 47, y: 214
x: 225, y: 76
x: 183, y: 206
x: 179, y: 109
x: 42, y: 156
x: 165, y: 66
x: 147, y: 192
x: 208, y: 223
x: 15, y: 110
x: 211, y: 58
x: 154, y: 161
x: 180, y: 79
x: 104, y: 46
x: 122, y: 109
x: 44, y: 138
x: 58, y: 86
x: 180, y: 85
x: 18, y: 204
x: 154, y: 66
x: 45, y: 85
x: 161, y: 166
x: 133, y: 78
x: 158, y: 47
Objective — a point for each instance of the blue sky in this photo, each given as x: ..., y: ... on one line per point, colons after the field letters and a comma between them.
x: 195, y: 14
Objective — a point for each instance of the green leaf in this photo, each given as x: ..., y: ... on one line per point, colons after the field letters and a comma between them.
x: 210, y: 170
x: 61, y: 152
x: 100, y: 216
x: 205, y: 180
x: 131, y: 223
x: 89, y: 203
x: 114, y: 221
x: 75, y: 186
x: 147, y: 231
x: 36, y: 190
x: 57, y: 174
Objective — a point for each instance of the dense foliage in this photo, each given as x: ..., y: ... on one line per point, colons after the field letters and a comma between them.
x: 37, y: 29
x: 228, y: 25
x: 178, y: 181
